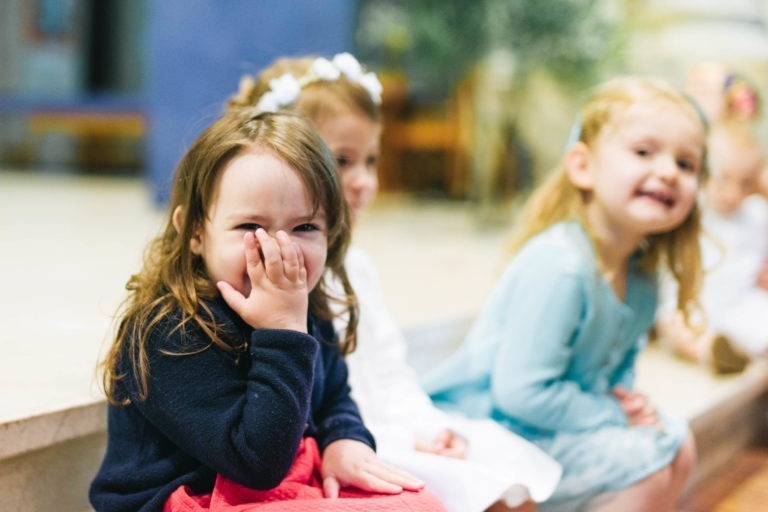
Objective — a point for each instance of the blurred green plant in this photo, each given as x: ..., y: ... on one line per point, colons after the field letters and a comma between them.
x: 437, y: 42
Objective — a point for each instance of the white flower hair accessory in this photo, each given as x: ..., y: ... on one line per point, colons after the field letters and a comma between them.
x: 325, y: 70
x: 285, y: 89
x: 348, y: 65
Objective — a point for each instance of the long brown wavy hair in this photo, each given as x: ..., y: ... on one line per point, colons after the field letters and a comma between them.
x: 558, y: 199
x: 173, y: 278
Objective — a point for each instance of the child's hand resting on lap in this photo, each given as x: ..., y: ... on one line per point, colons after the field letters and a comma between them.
x: 350, y: 463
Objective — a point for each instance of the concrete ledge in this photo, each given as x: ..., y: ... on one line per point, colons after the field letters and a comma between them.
x: 52, y: 478
x: 44, y: 430
x: 48, y: 460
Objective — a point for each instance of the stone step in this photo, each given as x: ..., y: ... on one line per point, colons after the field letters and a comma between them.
x: 48, y: 460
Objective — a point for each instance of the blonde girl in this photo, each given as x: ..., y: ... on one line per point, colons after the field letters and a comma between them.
x: 472, y: 465
x: 552, y: 354
x: 225, y: 377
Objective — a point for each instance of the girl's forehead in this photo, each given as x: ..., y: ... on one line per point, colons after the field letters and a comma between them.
x: 652, y: 113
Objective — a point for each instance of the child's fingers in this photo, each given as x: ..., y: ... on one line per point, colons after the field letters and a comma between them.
x: 620, y: 392
x: 302, y: 268
x: 372, y: 483
x: 272, y: 257
x: 331, y: 487
x: 393, y: 478
x: 252, y: 252
x: 290, y: 253
x: 232, y: 297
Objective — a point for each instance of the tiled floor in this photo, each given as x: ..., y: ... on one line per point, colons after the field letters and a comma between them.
x: 69, y: 243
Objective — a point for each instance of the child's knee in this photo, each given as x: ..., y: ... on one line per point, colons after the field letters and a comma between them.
x: 685, y: 459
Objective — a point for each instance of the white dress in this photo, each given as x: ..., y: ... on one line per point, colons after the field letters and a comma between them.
x: 394, y: 407
x: 734, y: 249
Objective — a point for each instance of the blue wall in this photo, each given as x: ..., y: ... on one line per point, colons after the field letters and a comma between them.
x: 197, y: 50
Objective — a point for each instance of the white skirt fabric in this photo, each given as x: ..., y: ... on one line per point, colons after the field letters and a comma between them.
x: 499, y: 465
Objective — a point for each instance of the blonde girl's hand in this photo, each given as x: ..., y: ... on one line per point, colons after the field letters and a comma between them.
x: 279, y: 297
x: 350, y: 463
x: 447, y: 443
x: 639, y: 410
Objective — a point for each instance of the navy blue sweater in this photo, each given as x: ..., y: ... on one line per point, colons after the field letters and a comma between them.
x: 209, y: 412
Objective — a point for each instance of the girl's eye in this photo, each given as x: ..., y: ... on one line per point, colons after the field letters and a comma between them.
x: 342, y: 161
x: 252, y: 226
x: 306, y: 227
x: 687, y: 165
x: 371, y: 162
x: 642, y: 152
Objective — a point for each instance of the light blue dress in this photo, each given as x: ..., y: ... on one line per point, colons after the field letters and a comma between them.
x: 543, y: 357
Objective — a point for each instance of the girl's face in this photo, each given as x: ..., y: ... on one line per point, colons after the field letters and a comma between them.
x: 259, y: 189
x: 353, y: 138
x: 643, y: 172
x: 737, y: 177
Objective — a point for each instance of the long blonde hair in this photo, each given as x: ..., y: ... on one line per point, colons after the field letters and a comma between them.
x: 558, y: 199
x: 173, y: 278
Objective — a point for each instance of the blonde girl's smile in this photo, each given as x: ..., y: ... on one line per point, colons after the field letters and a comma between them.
x: 642, y: 175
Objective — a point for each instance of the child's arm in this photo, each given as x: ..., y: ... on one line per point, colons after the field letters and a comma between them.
x: 545, y: 299
x: 244, y: 426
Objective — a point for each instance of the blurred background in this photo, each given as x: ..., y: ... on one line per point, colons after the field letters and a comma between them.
x: 479, y: 94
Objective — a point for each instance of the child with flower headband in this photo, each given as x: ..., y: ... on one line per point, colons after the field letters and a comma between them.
x: 226, y: 382
x: 471, y: 465
x: 552, y: 354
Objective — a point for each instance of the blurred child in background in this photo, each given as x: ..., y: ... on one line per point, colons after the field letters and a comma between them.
x: 735, y: 250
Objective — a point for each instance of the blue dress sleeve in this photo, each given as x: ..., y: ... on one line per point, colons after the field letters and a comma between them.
x: 544, y: 307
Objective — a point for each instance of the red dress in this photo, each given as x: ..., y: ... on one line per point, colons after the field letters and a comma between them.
x: 300, y: 491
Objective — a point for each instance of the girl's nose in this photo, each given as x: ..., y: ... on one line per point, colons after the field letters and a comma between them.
x: 362, y: 178
x: 666, y: 167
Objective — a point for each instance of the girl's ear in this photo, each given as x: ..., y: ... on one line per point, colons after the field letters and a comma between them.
x: 578, y: 164
x: 196, y: 242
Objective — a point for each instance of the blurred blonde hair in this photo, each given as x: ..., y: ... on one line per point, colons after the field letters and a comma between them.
x: 558, y: 199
